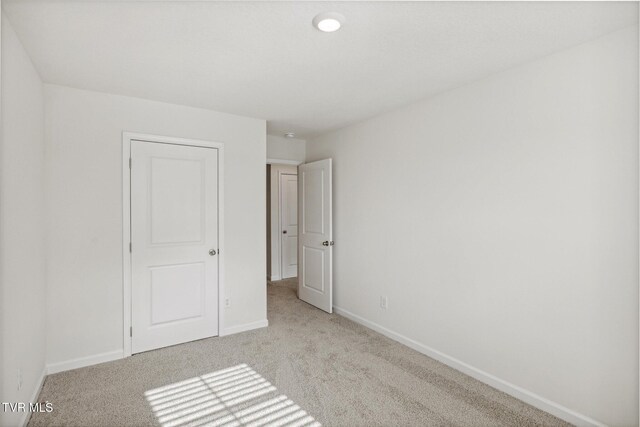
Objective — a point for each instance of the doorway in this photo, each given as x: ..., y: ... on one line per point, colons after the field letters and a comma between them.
x: 172, y: 238
x: 282, y: 221
x: 300, y: 230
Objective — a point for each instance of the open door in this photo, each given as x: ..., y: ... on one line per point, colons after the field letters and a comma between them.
x: 315, y: 247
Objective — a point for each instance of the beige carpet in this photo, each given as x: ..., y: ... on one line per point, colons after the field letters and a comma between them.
x: 307, y: 367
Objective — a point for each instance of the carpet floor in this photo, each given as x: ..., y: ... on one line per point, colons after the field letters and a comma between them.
x: 306, y: 368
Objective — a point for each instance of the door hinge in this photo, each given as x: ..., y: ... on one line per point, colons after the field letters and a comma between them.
x: 129, y: 162
x: 129, y: 247
x: 130, y: 331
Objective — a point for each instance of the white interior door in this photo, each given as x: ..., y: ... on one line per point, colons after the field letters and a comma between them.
x: 315, y: 234
x: 174, y: 236
x: 289, y: 225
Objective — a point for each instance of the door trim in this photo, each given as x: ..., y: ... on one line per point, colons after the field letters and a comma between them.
x: 127, y: 137
x: 281, y: 208
x: 275, y: 206
x: 284, y: 162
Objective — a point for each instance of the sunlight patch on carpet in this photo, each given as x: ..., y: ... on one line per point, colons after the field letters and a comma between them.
x: 236, y: 396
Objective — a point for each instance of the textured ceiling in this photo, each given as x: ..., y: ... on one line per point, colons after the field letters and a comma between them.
x: 264, y: 59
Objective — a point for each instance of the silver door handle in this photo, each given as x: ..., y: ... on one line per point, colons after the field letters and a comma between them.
x: 212, y: 252
x: 327, y: 243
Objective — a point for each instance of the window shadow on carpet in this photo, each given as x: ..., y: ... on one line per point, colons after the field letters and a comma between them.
x: 236, y: 396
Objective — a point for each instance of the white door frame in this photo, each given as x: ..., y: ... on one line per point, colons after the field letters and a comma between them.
x: 284, y: 162
x: 127, y: 137
x: 281, y: 209
x: 275, y: 233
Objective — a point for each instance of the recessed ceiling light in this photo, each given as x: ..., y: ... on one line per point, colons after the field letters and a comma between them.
x: 290, y: 135
x: 328, y: 22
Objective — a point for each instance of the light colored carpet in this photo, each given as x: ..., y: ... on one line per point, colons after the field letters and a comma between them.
x: 306, y: 367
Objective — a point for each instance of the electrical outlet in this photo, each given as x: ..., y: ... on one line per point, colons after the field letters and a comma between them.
x: 383, y: 303
x: 19, y: 379
x: 227, y: 302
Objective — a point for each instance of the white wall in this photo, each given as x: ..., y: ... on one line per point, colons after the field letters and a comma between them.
x: 282, y: 148
x: 501, y: 221
x: 84, y: 190
x: 22, y: 233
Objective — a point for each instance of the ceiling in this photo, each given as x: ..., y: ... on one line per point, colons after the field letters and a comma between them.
x: 265, y: 60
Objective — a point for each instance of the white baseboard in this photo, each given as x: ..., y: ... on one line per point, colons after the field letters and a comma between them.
x: 34, y: 397
x: 81, y: 362
x: 243, y: 328
x: 527, y: 396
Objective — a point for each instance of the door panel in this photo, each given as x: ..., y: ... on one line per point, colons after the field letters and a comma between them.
x: 289, y: 225
x: 313, y: 183
x: 314, y: 274
x: 174, y: 224
x: 176, y: 205
x: 316, y: 245
x: 177, y: 292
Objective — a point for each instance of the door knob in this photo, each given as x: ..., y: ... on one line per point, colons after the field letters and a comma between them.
x: 212, y: 252
x: 327, y: 243
x: 284, y: 232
